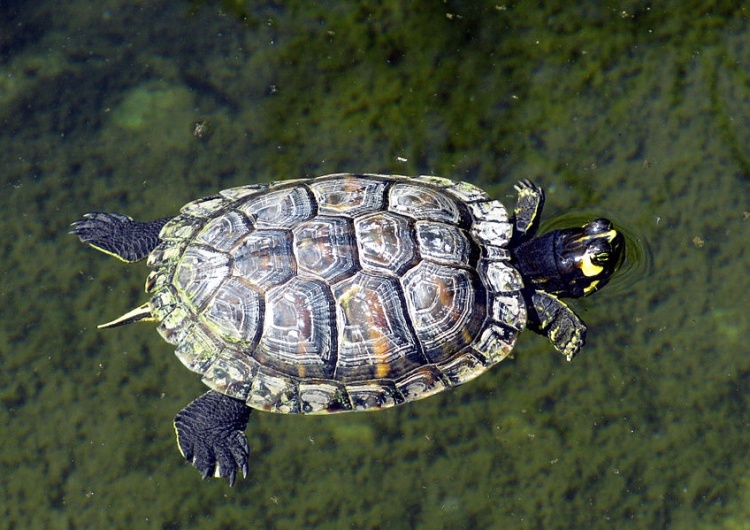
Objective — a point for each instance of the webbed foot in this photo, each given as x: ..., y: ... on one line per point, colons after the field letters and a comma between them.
x: 550, y: 317
x: 210, y: 435
x: 118, y: 235
x: 528, y: 209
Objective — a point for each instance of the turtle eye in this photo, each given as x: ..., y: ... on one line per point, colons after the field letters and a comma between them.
x: 600, y: 258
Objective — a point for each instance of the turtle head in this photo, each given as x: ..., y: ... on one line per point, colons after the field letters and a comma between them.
x: 572, y: 262
x: 587, y: 257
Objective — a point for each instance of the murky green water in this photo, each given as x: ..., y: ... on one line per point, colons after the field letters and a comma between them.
x: 639, y: 113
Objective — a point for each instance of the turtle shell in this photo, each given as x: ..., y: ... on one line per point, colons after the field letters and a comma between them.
x: 343, y: 292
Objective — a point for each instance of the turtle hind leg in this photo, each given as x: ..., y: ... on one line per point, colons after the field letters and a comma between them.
x: 210, y: 435
x: 552, y: 318
x: 118, y: 235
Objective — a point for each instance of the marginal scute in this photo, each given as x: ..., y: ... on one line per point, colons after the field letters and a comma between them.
x: 156, y: 257
x: 243, y: 192
x: 366, y: 396
x: 495, y: 253
x: 272, y: 392
x: 491, y: 232
x: 323, y: 397
x: 501, y: 277
x: 488, y: 210
x: 165, y: 254
x: 156, y: 281
x: 199, y: 351
x: 432, y: 180
x: 422, y: 382
x: 462, y: 367
x: 163, y: 303
x: 491, y: 225
x: 204, y: 207
x: 179, y: 228
x: 467, y: 192
x: 495, y: 343
x: 509, y: 309
x: 175, y: 326
x: 232, y: 374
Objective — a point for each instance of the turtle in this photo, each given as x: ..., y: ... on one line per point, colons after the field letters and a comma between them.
x: 348, y: 292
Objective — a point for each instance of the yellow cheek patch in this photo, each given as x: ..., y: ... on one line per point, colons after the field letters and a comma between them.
x: 588, y: 268
x: 587, y: 265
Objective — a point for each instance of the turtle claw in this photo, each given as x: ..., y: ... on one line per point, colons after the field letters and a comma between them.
x: 217, y: 457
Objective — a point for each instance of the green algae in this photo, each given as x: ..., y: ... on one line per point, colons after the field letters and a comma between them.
x: 157, y: 113
x: 635, y: 110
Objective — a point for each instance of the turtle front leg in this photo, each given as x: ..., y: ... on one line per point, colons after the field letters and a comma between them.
x: 210, y: 435
x: 549, y: 316
x: 118, y: 235
x: 528, y: 210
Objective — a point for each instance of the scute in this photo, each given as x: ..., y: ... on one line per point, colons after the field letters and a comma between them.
x: 265, y: 258
x: 318, y: 396
x: 345, y: 292
x: 423, y: 382
x: 223, y: 232
x: 375, y: 395
x: 447, y: 308
x: 200, y: 272
x: 491, y: 225
x: 424, y: 203
x: 297, y: 335
x: 375, y: 339
x: 198, y: 353
x: 235, y: 312
x: 325, y: 247
x: 385, y: 242
x: 500, y: 276
x: 348, y: 195
x: 232, y: 373
x: 495, y: 342
x: 444, y: 243
x: 272, y: 392
x: 462, y: 368
x: 282, y: 208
